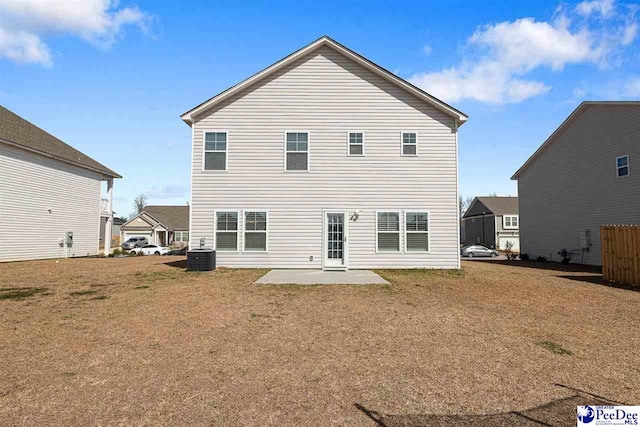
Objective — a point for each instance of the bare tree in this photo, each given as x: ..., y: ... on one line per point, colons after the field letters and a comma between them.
x: 139, y: 203
x: 464, y: 202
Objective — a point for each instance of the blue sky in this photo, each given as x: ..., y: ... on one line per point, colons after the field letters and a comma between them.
x: 111, y: 78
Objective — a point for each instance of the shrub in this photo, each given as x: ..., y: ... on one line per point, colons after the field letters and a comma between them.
x: 565, y: 256
x: 524, y: 256
x: 131, y: 253
x: 116, y: 251
x: 509, y: 252
x: 541, y: 259
x: 111, y: 255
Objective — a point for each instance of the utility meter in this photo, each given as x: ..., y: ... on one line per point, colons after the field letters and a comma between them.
x: 68, y: 240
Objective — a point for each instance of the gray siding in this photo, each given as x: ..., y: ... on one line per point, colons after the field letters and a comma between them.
x: 327, y: 95
x: 573, y: 184
x: 30, y: 185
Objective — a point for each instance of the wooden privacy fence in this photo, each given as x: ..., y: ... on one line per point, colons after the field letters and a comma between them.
x: 621, y: 253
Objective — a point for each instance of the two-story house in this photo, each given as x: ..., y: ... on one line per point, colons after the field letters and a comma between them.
x: 582, y: 177
x: 325, y: 160
x: 492, y: 221
x: 54, y: 200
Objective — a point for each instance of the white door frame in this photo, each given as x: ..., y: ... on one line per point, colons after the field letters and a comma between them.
x: 345, y: 242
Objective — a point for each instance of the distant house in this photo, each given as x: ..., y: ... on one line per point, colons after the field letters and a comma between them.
x: 51, y: 195
x: 161, y: 225
x: 581, y: 178
x: 492, y: 222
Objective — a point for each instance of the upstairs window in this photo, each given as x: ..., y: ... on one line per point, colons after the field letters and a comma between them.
x: 622, y: 166
x: 510, y: 222
x: 356, y: 144
x: 227, y: 231
x: 388, y: 231
x: 255, y: 231
x: 297, y: 151
x: 417, y: 231
x: 409, y: 144
x: 215, y: 151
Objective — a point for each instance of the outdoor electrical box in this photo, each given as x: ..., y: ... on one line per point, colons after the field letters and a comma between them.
x: 584, y: 239
x: 68, y: 240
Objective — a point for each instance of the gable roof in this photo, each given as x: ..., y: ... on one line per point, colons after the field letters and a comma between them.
x: 172, y: 217
x: 496, y: 205
x: 15, y: 130
x: 326, y: 41
x: 563, y: 126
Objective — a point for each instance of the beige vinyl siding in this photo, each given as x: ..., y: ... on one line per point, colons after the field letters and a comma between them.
x: 572, y: 185
x: 326, y: 95
x: 29, y: 185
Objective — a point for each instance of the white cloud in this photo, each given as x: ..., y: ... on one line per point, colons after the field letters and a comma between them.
x: 499, y: 56
x: 24, y: 47
x: 633, y: 88
x: 427, y: 49
x: 24, y: 23
x: 603, y: 7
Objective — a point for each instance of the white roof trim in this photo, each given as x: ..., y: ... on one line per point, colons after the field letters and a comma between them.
x: 460, y: 117
x: 565, y: 124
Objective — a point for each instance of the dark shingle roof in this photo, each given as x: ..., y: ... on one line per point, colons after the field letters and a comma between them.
x: 500, y: 205
x: 16, y: 130
x: 172, y: 217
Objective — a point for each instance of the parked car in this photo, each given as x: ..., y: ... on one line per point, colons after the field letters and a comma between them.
x: 135, y: 242
x: 181, y: 251
x: 477, y: 250
x: 151, y: 250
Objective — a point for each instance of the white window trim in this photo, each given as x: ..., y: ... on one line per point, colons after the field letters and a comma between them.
x: 428, y: 232
x: 619, y: 167
x: 400, y: 247
x: 284, y: 166
x: 402, y: 143
x: 226, y: 157
x: 510, y: 227
x: 244, y: 230
x: 349, y: 132
x: 215, y: 231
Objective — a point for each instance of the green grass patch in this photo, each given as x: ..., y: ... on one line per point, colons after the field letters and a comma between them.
x: 554, y: 348
x: 80, y: 293
x: 19, y: 293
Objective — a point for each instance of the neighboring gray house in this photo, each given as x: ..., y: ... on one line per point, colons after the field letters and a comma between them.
x: 581, y: 178
x: 48, y: 189
x: 326, y: 160
x: 493, y: 222
x: 161, y: 225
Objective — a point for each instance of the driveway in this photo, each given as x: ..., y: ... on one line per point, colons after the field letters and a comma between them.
x: 140, y: 341
x: 478, y: 258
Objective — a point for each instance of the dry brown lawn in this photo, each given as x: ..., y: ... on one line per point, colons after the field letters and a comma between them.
x: 137, y: 341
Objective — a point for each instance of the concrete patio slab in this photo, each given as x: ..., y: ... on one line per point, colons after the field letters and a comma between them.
x: 321, y: 277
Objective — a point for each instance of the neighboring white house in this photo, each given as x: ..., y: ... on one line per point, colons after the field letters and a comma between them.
x: 582, y: 177
x: 492, y: 221
x: 48, y: 190
x: 161, y: 225
x: 325, y: 160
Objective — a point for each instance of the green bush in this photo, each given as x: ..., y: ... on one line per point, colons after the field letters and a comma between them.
x: 130, y: 253
x: 116, y: 251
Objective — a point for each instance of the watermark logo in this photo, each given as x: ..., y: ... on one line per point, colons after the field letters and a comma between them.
x: 589, y: 416
x: 586, y: 414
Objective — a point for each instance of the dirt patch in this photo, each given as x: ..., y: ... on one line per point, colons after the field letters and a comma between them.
x: 434, y: 348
